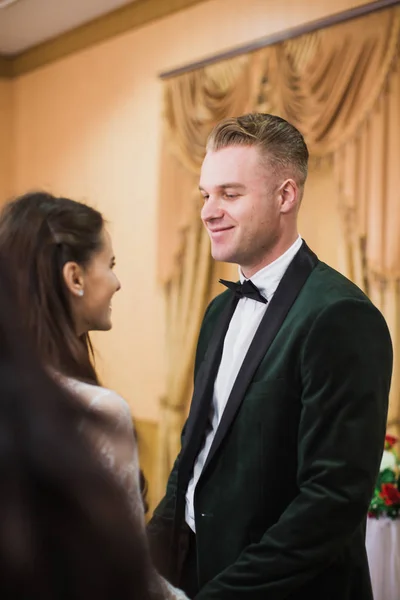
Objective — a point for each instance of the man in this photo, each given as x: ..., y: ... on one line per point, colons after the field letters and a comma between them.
x: 269, y: 495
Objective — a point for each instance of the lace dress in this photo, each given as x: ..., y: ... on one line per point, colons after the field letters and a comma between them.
x: 118, y: 450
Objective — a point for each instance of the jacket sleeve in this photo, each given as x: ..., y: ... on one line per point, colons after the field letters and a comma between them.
x: 160, y: 527
x: 346, y: 364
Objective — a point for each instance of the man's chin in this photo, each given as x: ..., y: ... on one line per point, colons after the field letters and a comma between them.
x: 222, y: 256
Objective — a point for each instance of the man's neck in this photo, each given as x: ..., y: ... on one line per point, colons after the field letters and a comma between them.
x: 276, y: 252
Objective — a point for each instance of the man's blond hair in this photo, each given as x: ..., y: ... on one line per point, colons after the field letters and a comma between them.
x: 281, y: 144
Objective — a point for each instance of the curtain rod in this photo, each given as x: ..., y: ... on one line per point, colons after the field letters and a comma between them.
x: 287, y: 34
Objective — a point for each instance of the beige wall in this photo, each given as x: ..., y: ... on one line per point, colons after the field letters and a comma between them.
x: 6, y: 139
x: 89, y: 126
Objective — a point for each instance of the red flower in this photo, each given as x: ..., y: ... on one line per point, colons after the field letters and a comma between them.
x: 390, y: 441
x: 390, y: 494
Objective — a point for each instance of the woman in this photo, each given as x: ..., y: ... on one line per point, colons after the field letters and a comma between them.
x: 61, y: 256
x: 66, y: 528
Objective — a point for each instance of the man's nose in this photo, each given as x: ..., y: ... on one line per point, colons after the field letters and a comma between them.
x: 212, y: 209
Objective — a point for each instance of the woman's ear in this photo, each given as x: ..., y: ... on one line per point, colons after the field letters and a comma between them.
x: 73, y: 278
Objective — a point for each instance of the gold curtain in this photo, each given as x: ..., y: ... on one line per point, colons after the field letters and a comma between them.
x: 341, y: 87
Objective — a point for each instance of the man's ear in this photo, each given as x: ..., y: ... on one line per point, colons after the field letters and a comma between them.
x: 289, y: 194
x: 73, y: 278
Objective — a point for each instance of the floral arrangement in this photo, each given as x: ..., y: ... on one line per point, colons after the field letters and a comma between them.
x: 386, y: 498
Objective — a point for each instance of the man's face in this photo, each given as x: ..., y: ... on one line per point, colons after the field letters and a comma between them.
x: 242, y: 206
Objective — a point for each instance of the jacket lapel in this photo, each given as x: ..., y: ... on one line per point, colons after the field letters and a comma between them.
x: 291, y: 283
x: 202, y: 396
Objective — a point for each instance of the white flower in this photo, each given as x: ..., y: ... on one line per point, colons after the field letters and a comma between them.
x: 388, y: 461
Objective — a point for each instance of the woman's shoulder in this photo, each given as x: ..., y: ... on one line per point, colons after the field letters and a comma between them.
x: 100, y: 398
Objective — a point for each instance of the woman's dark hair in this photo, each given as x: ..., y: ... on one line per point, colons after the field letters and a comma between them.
x: 66, y: 529
x: 39, y: 233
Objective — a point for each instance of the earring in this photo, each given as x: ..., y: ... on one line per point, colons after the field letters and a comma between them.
x: 80, y: 293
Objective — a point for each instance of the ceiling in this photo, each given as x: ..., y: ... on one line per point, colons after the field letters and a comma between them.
x: 30, y: 22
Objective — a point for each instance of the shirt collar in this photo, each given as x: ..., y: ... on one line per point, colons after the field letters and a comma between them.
x: 268, y: 278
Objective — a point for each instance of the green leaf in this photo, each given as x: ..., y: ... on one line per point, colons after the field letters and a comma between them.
x: 386, y: 476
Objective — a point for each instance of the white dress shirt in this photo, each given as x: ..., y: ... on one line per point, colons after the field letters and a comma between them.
x: 244, y: 324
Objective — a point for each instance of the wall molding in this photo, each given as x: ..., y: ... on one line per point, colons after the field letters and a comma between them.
x: 121, y: 20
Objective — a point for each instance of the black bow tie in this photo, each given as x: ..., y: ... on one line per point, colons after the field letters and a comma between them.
x: 247, y: 289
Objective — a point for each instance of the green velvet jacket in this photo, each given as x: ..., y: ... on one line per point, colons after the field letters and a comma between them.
x: 281, y: 504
